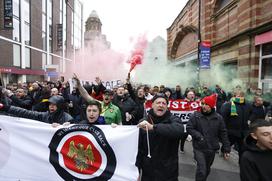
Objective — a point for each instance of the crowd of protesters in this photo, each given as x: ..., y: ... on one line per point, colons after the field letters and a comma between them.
x: 224, y: 116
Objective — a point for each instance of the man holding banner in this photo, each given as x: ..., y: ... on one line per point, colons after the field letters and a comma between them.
x: 157, y: 157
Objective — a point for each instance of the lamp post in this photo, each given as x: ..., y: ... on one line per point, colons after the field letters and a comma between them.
x: 198, y: 42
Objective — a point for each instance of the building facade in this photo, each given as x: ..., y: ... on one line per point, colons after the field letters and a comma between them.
x: 94, y: 40
x: 240, y: 32
x: 37, y: 38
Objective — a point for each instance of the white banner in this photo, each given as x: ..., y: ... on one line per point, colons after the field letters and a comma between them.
x: 32, y: 150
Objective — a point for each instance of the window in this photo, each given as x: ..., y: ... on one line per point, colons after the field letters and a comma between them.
x: 61, y: 8
x: 64, y: 25
x: 50, y: 45
x: 16, y: 8
x: 44, y: 22
x: 77, y: 24
x: 221, y: 4
x: 50, y: 28
x: 265, y: 72
x: 16, y: 29
x: 44, y: 39
x: 27, y: 22
x: 72, y: 30
x: 267, y: 49
x: 26, y: 11
x: 43, y: 60
x: 27, y: 33
x: 16, y: 55
x: 50, y: 61
x: 16, y: 20
x: 44, y: 6
x: 267, y: 68
x: 50, y: 13
x: 27, y: 57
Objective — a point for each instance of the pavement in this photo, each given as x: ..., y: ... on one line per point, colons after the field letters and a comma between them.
x: 221, y: 170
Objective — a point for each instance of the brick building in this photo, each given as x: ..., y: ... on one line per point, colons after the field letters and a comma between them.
x: 37, y: 38
x: 240, y: 32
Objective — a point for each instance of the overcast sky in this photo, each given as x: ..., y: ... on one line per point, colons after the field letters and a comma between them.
x: 126, y: 19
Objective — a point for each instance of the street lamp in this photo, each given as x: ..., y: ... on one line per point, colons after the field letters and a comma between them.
x: 198, y: 42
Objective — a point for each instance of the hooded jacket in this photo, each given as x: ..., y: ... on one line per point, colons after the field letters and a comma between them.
x: 255, y: 163
x: 59, y: 116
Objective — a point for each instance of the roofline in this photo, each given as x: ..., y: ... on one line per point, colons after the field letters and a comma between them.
x: 181, y: 12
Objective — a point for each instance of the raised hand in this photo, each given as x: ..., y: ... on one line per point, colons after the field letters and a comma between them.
x: 76, y: 80
x: 98, y: 80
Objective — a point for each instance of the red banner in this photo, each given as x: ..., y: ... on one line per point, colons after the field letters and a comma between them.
x: 180, y: 108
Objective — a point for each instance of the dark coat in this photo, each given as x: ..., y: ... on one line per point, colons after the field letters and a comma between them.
x: 76, y: 100
x: 100, y: 121
x: 164, y: 143
x: 237, y: 125
x: 207, y: 130
x: 258, y: 112
x: 47, y: 117
x: 126, y: 104
x: 255, y: 163
x: 24, y: 102
x: 177, y: 95
x: 139, y: 101
x: 221, y: 99
x: 36, y: 96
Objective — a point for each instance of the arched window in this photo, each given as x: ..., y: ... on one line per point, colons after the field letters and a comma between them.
x: 220, y: 4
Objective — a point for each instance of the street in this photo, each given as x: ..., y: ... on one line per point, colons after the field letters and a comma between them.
x: 221, y: 170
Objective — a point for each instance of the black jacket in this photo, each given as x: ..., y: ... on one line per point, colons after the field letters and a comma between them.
x: 139, y: 101
x: 258, y: 112
x: 237, y: 125
x: 164, y: 142
x: 56, y: 117
x: 24, y: 102
x: 206, y: 131
x: 126, y: 104
x: 255, y: 163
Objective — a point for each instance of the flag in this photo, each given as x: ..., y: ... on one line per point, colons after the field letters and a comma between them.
x: 180, y: 108
x: 33, y: 150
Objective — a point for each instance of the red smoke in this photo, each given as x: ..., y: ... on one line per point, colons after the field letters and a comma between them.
x: 98, y: 61
x: 94, y: 62
x: 138, y: 52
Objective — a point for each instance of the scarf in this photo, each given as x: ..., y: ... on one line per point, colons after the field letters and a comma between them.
x: 56, y: 117
x: 239, y: 100
x: 154, y: 119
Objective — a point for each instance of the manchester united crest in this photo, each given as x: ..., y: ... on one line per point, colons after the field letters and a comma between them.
x: 81, y: 152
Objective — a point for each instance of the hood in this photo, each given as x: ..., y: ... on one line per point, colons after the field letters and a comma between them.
x: 57, y: 100
x: 250, y: 144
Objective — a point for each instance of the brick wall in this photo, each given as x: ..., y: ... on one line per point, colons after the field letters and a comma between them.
x: 185, y: 23
x: 231, y: 30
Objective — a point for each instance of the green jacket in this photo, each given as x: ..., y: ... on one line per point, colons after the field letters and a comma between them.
x: 111, y: 113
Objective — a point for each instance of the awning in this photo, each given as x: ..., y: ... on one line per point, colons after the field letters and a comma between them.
x: 15, y: 70
x: 263, y: 38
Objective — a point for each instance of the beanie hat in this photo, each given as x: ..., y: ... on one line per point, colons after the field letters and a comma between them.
x: 210, y: 100
x: 159, y: 95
